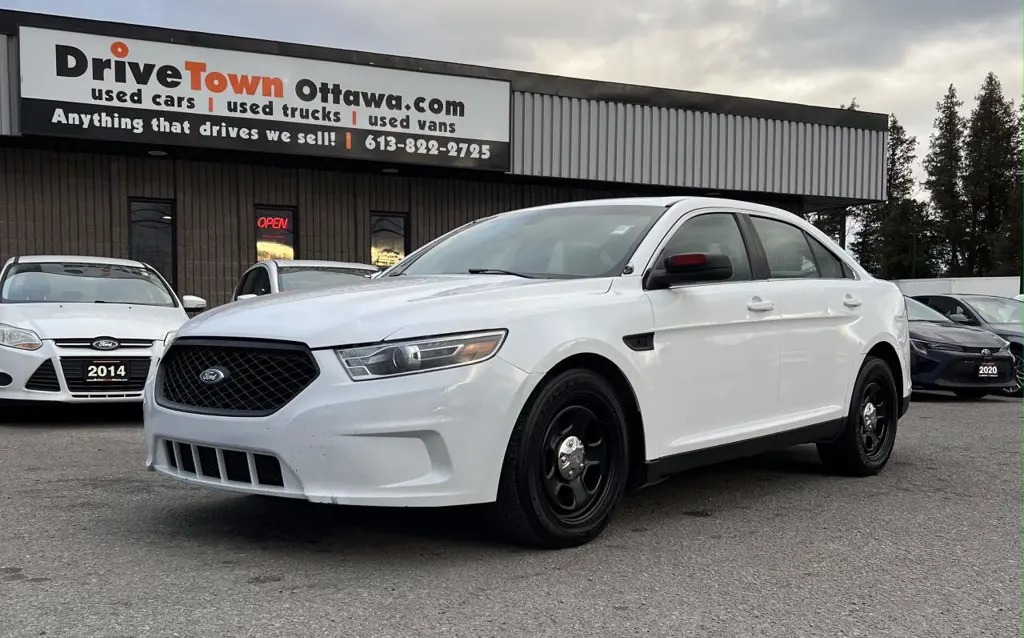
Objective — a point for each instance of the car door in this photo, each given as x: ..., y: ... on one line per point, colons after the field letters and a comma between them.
x: 809, y: 382
x: 717, y: 363
x: 847, y: 301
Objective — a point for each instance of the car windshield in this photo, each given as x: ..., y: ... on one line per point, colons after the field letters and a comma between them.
x: 70, y: 282
x: 917, y: 311
x: 307, y: 277
x: 996, y: 309
x: 556, y: 243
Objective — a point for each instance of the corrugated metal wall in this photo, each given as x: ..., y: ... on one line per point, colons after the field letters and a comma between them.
x: 77, y: 203
x: 576, y: 138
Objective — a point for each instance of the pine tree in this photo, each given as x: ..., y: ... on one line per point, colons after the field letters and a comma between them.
x: 893, y: 241
x: 944, y: 168
x: 833, y: 222
x: 992, y: 157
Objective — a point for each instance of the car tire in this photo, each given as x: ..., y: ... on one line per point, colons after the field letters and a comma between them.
x: 971, y: 393
x: 544, y: 499
x: 866, y: 442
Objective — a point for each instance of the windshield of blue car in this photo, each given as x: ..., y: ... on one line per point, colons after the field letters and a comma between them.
x: 555, y: 243
x: 69, y: 282
x: 309, y: 277
x: 917, y: 311
x: 996, y: 309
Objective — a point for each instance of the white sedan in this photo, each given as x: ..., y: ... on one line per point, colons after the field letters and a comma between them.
x: 543, y: 361
x: 282, y: 275
x: 83, y: 329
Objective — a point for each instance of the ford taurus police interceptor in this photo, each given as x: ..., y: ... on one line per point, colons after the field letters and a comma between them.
x: 83, y: 329
x: 541, y: 362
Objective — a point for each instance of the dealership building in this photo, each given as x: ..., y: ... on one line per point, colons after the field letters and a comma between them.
x: 201, y: 153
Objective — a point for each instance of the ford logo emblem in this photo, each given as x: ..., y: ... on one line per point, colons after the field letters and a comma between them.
x: 104, y: 343
x: 212, y: 376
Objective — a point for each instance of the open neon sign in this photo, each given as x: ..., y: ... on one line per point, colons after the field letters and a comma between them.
x: 275, y: 223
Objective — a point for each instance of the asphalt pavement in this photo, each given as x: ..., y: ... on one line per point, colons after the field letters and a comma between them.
x: 93, y: 545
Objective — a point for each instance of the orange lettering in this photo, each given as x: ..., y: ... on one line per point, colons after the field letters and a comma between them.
x: 195, y: 74
x: 273, y: 87
x: 244, y: 84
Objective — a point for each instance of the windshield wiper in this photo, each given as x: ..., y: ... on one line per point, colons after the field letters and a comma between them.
x: 498, y: 271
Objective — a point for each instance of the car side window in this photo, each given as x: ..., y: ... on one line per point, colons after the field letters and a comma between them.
x: 789, y: 255
x: 830, y: 266
x: 243, y: 285
x: 711, y: 233
x: 261, y: 282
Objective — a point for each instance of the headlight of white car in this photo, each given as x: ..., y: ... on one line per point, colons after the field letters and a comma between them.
x: 169, y: 337
x: 19, y: 338
x: 399, y: 358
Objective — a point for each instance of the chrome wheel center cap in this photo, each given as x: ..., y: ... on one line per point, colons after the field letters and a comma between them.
x: 870, y: 416
x: 571, y: 457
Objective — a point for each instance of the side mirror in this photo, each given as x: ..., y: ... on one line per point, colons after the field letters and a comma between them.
x: 959, y: 318
x: 191, y: 302
x: 693, y: 267
x: 248, y: 296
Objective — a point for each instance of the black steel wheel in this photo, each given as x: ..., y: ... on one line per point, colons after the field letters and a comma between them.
x: 869, y: 433
x: 567, y: 463
x: 1015, y: 390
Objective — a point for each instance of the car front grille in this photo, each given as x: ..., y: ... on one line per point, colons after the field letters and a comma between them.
x: 44, y: 379
x: 257, y: 378
x: 87, y: 343
x: 74, y: 369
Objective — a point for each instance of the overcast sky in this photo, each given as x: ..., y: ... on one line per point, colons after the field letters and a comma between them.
x: 894, y: 56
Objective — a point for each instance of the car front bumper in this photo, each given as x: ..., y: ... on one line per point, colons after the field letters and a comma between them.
x: 424, y: 440
x: 57, y: 374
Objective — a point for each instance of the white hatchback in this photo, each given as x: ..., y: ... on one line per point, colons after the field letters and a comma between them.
x: 543, y: 361
x: 77, y: 329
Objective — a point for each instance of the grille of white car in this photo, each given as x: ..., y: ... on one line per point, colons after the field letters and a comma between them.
x: 242, y: 377
x: 223, y: 465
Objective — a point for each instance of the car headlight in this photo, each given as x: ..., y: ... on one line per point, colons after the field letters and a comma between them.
x: 19, y: 338
x: 923, y: 347
x: 398, y: 358
x: 169, y: 337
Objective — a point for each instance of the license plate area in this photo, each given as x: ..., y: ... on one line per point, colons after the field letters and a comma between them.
x: 988, y: 370
x: 104, y: 371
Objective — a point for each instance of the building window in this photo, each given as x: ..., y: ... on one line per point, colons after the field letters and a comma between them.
x: 275, y: 233
x: 389, y: 241
x: 152, y: 235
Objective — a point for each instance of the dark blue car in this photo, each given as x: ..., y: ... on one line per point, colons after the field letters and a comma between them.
x: 998, y: 315
x: 945, y: 355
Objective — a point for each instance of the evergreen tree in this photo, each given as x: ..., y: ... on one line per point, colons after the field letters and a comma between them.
x: 893, y: 241
x: 992, y: 157
x: 945, y: 170
x: 833, y: 222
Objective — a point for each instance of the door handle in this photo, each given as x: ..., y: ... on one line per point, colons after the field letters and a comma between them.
x: 760, y: 305
x: 851, y: 302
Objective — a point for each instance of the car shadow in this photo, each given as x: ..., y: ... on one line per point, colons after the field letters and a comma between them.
x: 949, y: 397
x: 243, y: 523
x: 69, y: 415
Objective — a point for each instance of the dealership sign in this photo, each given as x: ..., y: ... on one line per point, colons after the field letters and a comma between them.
x: 118, y: 89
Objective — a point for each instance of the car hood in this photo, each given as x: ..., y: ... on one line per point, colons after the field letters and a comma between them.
x: 967, y: 336
x: 397, y: 307
x: 87, y: 320
x: 1007, y: 329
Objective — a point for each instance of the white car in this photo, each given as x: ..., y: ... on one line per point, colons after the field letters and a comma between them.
x: 79, y: 329
x: 282, y: 275
x: 542, y: 361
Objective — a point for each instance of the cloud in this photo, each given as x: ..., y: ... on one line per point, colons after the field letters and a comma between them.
x: 894, y: 56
